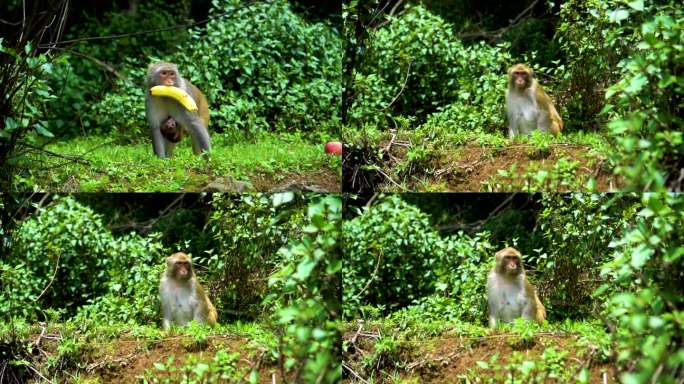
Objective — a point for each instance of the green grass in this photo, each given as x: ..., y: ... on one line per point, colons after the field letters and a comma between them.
x: 109, y: 166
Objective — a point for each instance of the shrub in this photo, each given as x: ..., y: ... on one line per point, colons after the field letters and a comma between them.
x: 443, y: 74
x: 577, y: 229
x: 66, y: 256
x: 646, y: 277
x: 648, y: 127
x: 391, y: 255
x: 249, y: 229
x: 592, y: 40
x: 306, y: 294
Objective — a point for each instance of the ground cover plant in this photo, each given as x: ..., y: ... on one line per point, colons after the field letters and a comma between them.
x: 424, y: 95
x: 74, y: 101
x: 607, y: 267
x: 80, y: 279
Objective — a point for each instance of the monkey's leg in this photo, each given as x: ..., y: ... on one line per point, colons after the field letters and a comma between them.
x: 155, y: 120
x: 168, y: 146
x: 200, y: 135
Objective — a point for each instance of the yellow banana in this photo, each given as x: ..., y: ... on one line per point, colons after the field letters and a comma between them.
x: 177, y: 94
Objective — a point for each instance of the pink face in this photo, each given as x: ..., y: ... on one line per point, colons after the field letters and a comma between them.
x: 512, y: 263
x: 520, y: 79
x: 167, y: 77
x: 182, y: 269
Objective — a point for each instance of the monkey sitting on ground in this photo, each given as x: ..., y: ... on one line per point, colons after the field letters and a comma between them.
x: 182, y: 297
x: 528, y: 106
x: 167, y: 118
x: 509, y: 294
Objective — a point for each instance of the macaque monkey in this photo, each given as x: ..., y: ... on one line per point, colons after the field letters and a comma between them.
x: 528, y: 106
x: 167, y: 118
x: 182, y: 297
x: 171, y: 131
x: 509, y: 294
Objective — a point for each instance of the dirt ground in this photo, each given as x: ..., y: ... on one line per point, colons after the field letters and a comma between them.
x: 474, y: 168
x: 445, y: 358
x: 127, y: 359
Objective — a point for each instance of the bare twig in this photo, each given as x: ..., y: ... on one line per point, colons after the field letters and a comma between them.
x: 345, y: 366
x: 408, y: 72
x: 390, y: 179
x: 51, y: 280
x: 375, y: 272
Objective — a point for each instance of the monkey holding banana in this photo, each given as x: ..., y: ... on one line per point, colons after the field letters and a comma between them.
x: 168, y: 119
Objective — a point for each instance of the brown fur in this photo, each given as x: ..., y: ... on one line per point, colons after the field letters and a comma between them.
x: 542, y: 98
x: 509, y: 267
x: 171, y: 130
x: 173, y: 276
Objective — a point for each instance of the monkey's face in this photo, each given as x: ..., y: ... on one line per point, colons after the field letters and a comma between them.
x: 520, y: 76
x: 180, y: 266
x: 511, y: 264
x: 182, y: 270
x: 520, y: 79
x: 167, y: 77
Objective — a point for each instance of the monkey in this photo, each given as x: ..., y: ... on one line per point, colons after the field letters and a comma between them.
x: 509, y: 294
x: 171, y: 131
x: 528, y: 106
x: 182, y: 296
x: 168, y: 120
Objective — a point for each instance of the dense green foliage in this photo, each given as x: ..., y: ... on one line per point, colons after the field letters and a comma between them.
x: 248, y: 231
x: 390, y: 252
x: 647, y: 294
x: 591, y: 256
x: 577, y: 230
x: 395, y: 258
x: 67, y: 248
x: 306, y: 295
x: 262, y: 67
x: 648, y: 128
x: 273, y: 260
x: 88, y: 71
x: 416, y: 66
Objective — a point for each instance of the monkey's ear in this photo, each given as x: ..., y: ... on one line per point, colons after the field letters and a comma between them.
x: 532, y: 72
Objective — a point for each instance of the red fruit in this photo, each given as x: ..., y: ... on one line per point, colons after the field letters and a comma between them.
x: 334, y: 147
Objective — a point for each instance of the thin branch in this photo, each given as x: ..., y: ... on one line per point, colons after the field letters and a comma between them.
x: 408, y: 72
x: 51, y: 280
x: 151, y: 31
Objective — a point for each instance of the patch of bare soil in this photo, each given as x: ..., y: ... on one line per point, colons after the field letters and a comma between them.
x: 126, y: 360
x: 322, y: 180
x: 448, y: 358
x: 472, y: 168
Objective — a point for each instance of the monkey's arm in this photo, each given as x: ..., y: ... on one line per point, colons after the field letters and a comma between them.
x: 529, y: 311
x: 512, y: 122
x: 166, y: 309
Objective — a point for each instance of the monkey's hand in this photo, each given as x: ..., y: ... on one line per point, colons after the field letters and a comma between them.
x: 177, y: 94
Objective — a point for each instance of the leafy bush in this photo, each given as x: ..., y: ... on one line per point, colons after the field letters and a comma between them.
x: 391, y: 252
x: 646, y: 276
x: 306, y: 295
x: 463, y: 275
x: 249, y: 229
x: 577, y: 229
x: 649, y: 129
x: 67, y: 257
x: 262, y: 67
x: 593, y: 38
x: 417, y: 59
x: 86, y: 104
